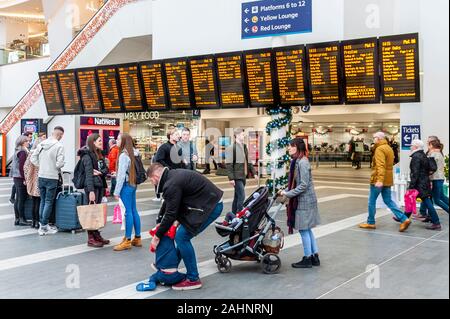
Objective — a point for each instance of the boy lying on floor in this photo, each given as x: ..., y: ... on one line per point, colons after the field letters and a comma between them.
x: 167, y: 259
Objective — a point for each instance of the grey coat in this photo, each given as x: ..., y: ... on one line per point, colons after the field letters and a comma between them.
x: 307, y: 213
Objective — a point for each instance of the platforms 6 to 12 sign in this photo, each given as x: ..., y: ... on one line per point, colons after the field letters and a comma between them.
x: 276, y: 17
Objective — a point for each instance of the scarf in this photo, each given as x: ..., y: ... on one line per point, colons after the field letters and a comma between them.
x: 293, y: 202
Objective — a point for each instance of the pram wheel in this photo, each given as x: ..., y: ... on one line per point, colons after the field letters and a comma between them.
x: 223, y: 264
x: 271, y: 263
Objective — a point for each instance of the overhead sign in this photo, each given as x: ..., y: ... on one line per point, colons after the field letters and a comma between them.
x: 409, y: 134
x: 99, y: 121
x: 274, y: 17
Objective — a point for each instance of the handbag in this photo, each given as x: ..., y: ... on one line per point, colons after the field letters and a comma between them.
x: 117, y: 218
x: 92, y: 216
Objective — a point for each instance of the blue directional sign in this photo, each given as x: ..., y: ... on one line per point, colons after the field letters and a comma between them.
x: 409, y: 134
x: 268, y: 18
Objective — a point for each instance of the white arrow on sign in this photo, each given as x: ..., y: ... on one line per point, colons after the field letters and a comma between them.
x: 246, y: 20
x: 246, y: 10
x: 246, y: 30
x: 407, y: 138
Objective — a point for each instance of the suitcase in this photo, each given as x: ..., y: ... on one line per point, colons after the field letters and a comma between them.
x: 67, y: 202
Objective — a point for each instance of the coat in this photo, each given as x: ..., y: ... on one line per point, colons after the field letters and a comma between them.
x: 169, y: 155
x: 189, y: 197
x: 113, y: 156
x: 90, y: 163
x: 382, y: 164
x: 307, y: 213
x: 420, y: 174
x: 235, y: 163
x: 31, y: 177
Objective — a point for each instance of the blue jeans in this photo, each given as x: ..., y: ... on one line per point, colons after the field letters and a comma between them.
x: 167, y: 279
x: 387, y: 199
x: 183, y: 240
x: 439, y: 198
x: 309, y: 243
x: 239, y: 195
x: 428, y: 205
x: 132, y: 218
x: 47, y: 189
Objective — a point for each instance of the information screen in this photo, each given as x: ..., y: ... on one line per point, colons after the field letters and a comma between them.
x: 69, y: 92
x: 52, y: 97
x: 153, y: 81
x: 108, y: 88
x: 361, y: 76
x: 204, y: 82
x: 89, y: 91
x: 177, y: 84
x: 129, y: 84
x: 324, y: 73
x: 259, y: 78
x: 291, y: 75
x: 400, y: 68
x: 231, y: 80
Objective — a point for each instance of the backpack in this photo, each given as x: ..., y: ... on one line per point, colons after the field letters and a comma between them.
x: 432, y: 165
x: 79, y: 175
x: 141, y: 174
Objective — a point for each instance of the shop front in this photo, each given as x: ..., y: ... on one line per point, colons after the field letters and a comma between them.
x: 108, y: 128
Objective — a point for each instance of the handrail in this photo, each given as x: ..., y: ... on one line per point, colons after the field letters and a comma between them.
x: 77, y: 44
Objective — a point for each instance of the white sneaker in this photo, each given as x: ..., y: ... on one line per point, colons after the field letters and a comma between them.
x: 43, y: 230
x: 156, y: 199
x: 52, y: 230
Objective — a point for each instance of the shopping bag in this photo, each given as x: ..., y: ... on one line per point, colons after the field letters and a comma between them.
x: 117, y: 218
x: 92, y: 217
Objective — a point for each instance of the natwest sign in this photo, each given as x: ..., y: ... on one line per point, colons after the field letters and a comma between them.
x: 99, y: 121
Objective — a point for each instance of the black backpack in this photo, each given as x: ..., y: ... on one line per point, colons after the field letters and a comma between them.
x: 432, y: 165
x: 79, y: 175
x: 141, y: 174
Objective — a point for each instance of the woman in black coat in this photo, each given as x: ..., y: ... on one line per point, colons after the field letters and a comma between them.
x: 95, y: 169
x: 420, y: 181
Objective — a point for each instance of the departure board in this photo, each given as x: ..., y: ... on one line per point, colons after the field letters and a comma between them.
x: 88, y: 91
x: 52, y: 97
x: 291, y: 75
x: 400, y: 68
x: 69, y: 92
x: 231, y: 80
x: 129, y: 84
x: 324, y: 73
x: 153, y: 83
x: 361, y: 76
x: 108, y: 88
x: 204, y: 82
x: 177, y: 84
x: 259, y: 77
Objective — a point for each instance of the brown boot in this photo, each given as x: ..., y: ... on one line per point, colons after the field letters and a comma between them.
x: 99, y: 237
x: 137, y: 242
x: 124, y: 245
x: 92, y: 241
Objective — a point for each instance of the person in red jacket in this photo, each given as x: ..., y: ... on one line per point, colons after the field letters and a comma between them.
x: 113, y: 157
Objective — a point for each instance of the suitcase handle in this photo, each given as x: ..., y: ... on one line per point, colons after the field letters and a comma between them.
x: 70, y: 188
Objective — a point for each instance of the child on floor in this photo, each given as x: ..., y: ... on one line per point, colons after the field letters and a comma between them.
x: 167, y: 259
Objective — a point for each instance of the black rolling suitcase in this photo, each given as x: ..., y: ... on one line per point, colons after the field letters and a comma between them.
x: 67, y: 202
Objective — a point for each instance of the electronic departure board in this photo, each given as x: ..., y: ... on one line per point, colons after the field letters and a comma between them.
x: 231, y: 80
x: 400, y: 68
x: 87, y: 83
x: 130, y: 88
x: 177, y: 83
x: 259, y: 77
x: 52, y: 97
x: 69, y: 92
x: 204, y: 82
x: 324, y: 73
x: 291, y: 75
x: 107, y: 79
x: 361, y: 76
x: 153, y: 84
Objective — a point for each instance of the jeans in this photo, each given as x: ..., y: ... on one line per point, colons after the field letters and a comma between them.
x: 132, y: 218
x: 13, y: 193
x: 36, y: 205
x: 439, y: 198
x: 387, y: 198
x: 309, y: 243
x: 47, y: 189
x: 21, y: 197
x: 113, y: 185
x: 428, y: 205
x: 183, y: 240
x: 239, y: 195
x: 167, y: 279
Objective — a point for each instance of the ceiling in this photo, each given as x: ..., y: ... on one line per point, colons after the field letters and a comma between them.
x: 31, y: 7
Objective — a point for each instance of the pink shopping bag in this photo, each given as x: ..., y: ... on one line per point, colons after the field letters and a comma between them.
x: 410, y: 201
x: 117, y: 218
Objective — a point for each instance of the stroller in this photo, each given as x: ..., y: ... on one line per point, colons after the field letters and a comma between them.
x: 251, y: 236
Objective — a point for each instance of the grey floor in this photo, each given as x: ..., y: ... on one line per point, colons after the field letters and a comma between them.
x: 355, y: 263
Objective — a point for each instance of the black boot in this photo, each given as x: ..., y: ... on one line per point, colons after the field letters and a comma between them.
x: 305, y: 263
x: 24, y: 222
x: 35, y: 224
x: 315, y: 260
x: 17, y: 222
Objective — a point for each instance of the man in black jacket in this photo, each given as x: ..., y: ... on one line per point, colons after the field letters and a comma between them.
x: 192, y: 200
x: 420, y: 181
x: 169, y: 154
